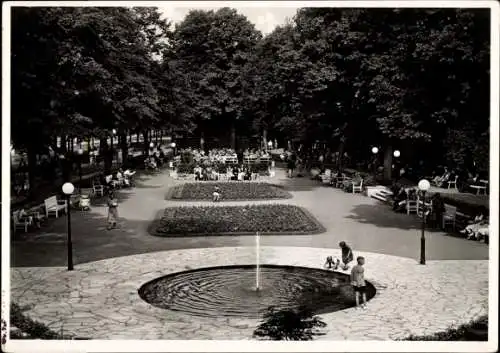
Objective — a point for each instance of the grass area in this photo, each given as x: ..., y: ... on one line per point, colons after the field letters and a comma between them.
x: 476, y: 330
x: 230, y: 191
x: 239, y: 220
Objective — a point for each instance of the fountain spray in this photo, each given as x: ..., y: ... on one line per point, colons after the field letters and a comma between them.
x: 257, y: 272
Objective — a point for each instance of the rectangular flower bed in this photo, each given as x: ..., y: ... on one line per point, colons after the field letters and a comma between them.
x: 239, y: 220
x: 230, y: 191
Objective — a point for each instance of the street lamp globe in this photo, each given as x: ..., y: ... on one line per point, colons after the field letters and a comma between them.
x: 424, y: 185
x: 397, y: 153
x: 113, y: 131
x: 151, y: 145
x: 80, y: 151
x: 173, y: 145
x: 375, y: 150
x: 68, y: 188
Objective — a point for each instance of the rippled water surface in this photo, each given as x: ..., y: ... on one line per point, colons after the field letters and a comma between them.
x: 230, y: 291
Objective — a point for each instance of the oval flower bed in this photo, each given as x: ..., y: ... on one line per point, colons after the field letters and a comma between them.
x: 242, y: 220
x: 230, y: 191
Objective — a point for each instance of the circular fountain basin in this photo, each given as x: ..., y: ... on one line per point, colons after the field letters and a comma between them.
x: 231, y: 290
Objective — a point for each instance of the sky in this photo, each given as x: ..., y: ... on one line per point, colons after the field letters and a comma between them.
x: 265, y: 19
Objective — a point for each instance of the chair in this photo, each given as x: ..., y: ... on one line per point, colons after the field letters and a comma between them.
x: 98, y: 189
x: 357, y: 188
x: 339, y: 181
x: 453, y: 183
x: 327, y: 177
x: 53, y: 205
x: 411, y: 206
x: 21, y: 221
x: 449, y: 216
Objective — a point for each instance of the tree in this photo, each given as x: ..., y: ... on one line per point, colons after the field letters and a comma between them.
x: 289, y: 325
x: 210, y: 51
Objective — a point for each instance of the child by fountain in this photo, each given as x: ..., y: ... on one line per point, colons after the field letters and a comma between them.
x: 347, y: 255
x: 332, y: 264
x: 216, y: 194
x: 358, y: 281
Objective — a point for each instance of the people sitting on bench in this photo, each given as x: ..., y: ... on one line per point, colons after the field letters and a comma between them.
x: 475, y: 227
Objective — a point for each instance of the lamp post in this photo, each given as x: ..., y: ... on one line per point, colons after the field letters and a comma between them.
x: 423, y: 186
x: 80, y: 156
x: 374, y: 151
x: 173, y: 144
x: 68, y: 189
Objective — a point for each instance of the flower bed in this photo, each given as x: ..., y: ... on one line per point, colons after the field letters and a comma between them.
x: 229, y: 191
x: 241, y: 220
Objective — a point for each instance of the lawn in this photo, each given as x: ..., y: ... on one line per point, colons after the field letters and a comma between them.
x: 238, y: 220
x: 230, y: 191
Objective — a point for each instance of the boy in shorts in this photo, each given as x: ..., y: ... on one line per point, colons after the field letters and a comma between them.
x: 358, y: 281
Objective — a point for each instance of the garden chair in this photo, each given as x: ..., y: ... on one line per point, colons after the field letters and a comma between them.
x: 420, y: 206
x: 326, y: 178
x: 53, y: 205
x: 97, y: 188
x: 21, y: 221
x: 411, y: 206
x: 449, y: 216
x: 357, y: 187
x: 453, y: 183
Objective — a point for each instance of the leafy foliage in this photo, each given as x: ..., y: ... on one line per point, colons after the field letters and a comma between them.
x: 289, y: 325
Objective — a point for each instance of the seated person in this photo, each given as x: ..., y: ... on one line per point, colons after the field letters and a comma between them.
x: 438, y: 209
x: 216, y: 194
x: 235, y: 173
x: 474, y: 229
x: 400, y: 198
x: 247, y: 175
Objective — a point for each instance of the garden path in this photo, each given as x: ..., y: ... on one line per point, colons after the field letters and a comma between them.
x: 359, y: 220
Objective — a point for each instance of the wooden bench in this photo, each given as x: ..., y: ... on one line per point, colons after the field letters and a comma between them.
x: 53, y: 205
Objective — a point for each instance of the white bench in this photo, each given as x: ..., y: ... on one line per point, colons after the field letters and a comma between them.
x: 53, y: 205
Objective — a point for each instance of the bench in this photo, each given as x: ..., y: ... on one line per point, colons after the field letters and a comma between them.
x: 53, y: 205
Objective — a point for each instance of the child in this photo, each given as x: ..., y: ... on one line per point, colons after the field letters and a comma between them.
x: 330, y: 263
x: 347, y: 256
x: 216, y: 194
x: 112, y: 211
x: 358, y: 281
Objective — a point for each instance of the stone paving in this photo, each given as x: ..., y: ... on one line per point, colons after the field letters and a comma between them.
x: 100, y: 299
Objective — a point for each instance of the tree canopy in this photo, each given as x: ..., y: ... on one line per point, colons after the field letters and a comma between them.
x: 405, y: 78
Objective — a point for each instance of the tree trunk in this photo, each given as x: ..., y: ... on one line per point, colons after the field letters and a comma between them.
x: 340, y: 156
x: 264, y: 138
x: 107, y: 155
x: 31, y: 168
x: 233, y: 136
x: 388, y: 163
x: 146, y: 143
x: 124, y: 147
x: 202, y: 141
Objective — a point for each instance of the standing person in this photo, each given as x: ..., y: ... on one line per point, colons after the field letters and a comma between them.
x: 291, y: 165
x: 347, y: 255
x: 358, y: 281
x: 112, y: 211
x: 216, y: 194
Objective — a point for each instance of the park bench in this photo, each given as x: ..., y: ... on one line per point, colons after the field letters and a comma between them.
x: 53, y: 205
x: 21, y: 221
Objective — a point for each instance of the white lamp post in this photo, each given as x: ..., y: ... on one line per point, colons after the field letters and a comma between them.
x: 396, y: 153
x: 423, y: 186
x: 374, y: 150
x: 68, y: 190
x: 80, y: 156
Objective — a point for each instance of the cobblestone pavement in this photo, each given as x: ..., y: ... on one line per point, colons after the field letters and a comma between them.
x: 100, y: 299
x: 362, y: 222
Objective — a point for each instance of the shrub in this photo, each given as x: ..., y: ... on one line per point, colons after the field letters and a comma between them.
x: 229, y: 191
x: 33, y: 329
x: 249, y: 219
x: 476, y: 330
x: 289, y: 325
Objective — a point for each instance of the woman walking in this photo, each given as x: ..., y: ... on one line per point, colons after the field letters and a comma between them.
x: 112, y: 211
